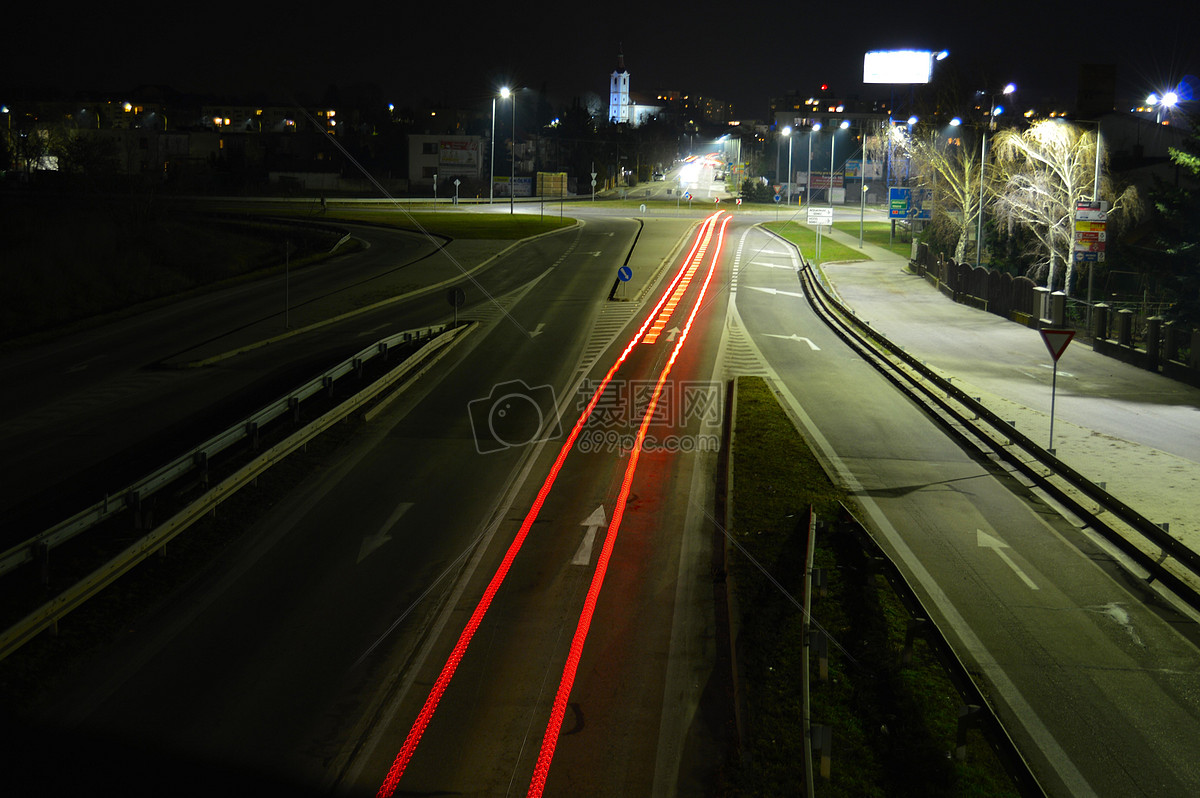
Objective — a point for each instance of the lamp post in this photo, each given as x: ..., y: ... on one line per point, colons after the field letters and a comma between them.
x: 1168, y: 100
x: 492, y: 160
x: 862, y: 199
x: 832, y: 148
x: 507, y: 94
x: 815, y: 127
x: 787, y: 131
x: 1009, y: 89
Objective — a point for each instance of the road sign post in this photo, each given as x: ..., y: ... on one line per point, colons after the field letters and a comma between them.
x: 819, y: 217
x: 1056, y: 343
x: 456, y: 296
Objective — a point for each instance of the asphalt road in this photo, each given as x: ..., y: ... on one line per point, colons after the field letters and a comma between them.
x: 1092, y: 673
x: 310, y: 656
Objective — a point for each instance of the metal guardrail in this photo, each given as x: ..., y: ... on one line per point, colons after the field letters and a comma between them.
x: 1170, y: 549
x: 77, y: 594
x: 198, y: 457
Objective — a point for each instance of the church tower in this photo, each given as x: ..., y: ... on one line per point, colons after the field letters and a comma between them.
x: 619, y: 103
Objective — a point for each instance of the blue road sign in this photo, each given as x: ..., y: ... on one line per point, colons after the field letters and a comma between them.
x: 624, y: 274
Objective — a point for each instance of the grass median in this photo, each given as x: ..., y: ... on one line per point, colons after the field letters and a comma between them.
x: 894, y: 727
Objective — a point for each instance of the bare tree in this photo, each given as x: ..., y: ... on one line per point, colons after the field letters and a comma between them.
x: 951, y: 171
x: 1045, y: 171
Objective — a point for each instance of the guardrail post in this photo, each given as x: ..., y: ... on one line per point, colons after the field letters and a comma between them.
x: 822, y: 742
x: 327, y: 383
x: 41, y: 557
x: 294, y: 406
x: 818, y: 640
x: 134, y: 502
x: 967, y: 715
x: 358, y: 367
x: 200, y: 461
x: 915, y: 626
x: 252, y: 434
x: 383, y: 350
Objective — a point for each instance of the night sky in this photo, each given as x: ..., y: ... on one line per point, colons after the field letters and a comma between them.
x: 436, y: 52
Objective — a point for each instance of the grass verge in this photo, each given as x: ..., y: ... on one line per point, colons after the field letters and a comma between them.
x: 880, y: 234
x: 806, y: 239
x: 894, y: 727
x: 457, y: 223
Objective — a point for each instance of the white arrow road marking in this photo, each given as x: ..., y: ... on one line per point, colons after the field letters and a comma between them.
x: 671, y: 333
x: 997, y: 545
x: 537, y: 331
x: 776, y: 291
x: 794, y: 337
x: 372, y: 542
x: 777, y: 266
x: 593, y: 522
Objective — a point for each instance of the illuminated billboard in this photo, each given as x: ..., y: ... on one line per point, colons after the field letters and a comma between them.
x: 898, y: 66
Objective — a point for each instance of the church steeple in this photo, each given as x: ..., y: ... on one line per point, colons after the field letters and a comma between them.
x: 619, y: 101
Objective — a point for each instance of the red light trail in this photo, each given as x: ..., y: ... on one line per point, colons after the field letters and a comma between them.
x: 550, y: 740
x: 421, y: 723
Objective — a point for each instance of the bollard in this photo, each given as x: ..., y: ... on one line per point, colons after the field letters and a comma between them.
x: 1125, y: 327
x: 1099, y: 322
x: 1058, y: 308
x: 1154, y: 332
x: 1170, y: 342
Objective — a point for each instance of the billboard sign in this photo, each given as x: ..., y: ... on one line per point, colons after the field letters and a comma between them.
x: 898, y: 66
x: 458, y: 153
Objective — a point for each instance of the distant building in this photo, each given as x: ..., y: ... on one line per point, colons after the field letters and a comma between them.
x: 620, y: 104
x: 442, y: 157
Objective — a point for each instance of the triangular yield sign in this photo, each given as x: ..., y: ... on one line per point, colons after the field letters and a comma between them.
x: 1056, y: 341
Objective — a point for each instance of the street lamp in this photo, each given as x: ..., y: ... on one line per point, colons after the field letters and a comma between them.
x: 996, y: 109
x: 787, y: 131
x: 492, y: 160
x: 507, y: 94
x: 832, y: 148
x: 815, y: 127
x: 1168, y: 100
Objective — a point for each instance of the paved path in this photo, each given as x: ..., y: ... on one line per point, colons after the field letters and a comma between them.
x: 1136, y: 431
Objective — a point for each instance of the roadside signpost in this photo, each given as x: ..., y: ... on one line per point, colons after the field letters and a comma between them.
x: 819, y: 216
x: 1056, y: 343
x: 457, y: 297
x: 624, y: 275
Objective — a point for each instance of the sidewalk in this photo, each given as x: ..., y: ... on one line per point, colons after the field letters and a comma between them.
x: 1135, y: 431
